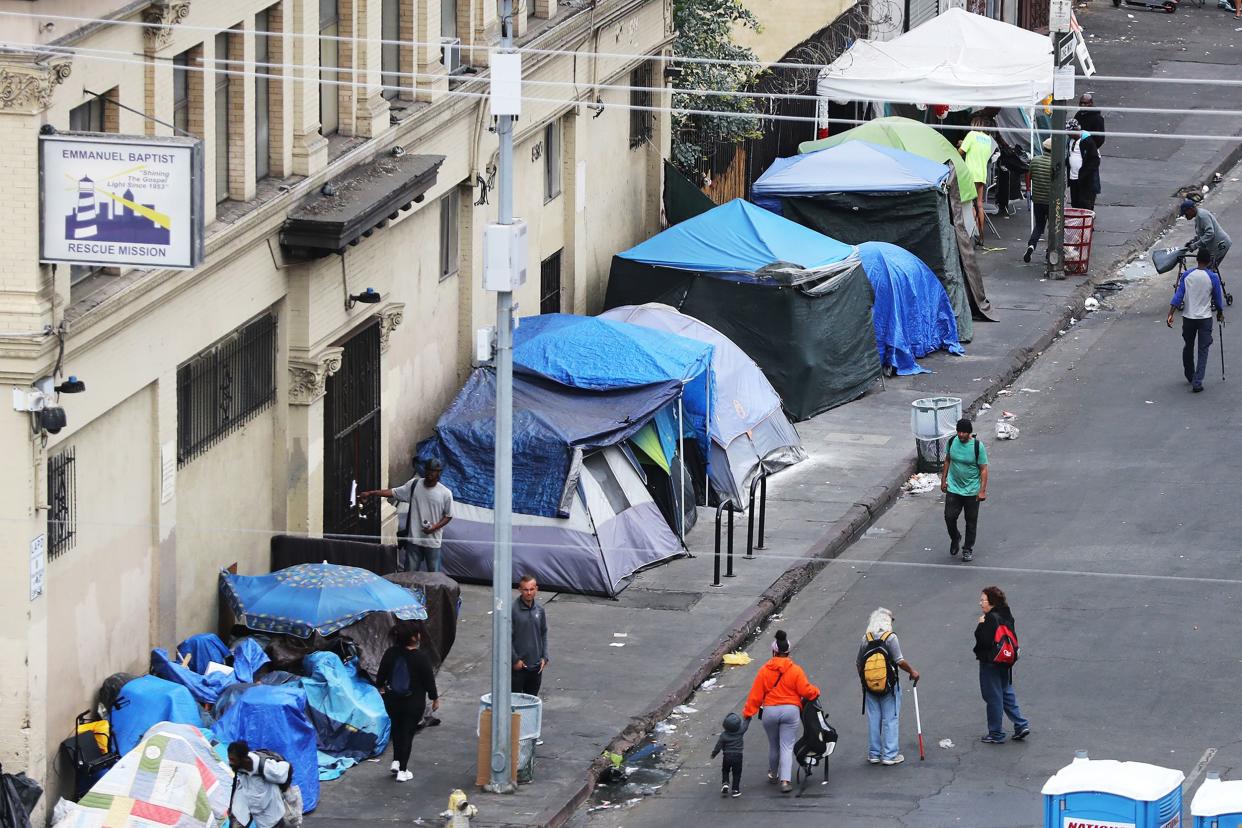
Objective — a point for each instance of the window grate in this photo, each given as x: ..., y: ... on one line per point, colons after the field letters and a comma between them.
x: 62, y: 503
x: 642, y: 121
x: 550, y: 284
x: 223, y: 387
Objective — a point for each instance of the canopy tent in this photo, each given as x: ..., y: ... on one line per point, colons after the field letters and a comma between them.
x: 171, y: 778
x: 147, y: 701
x: 274, y: 717
x: 957, y: 58
x: 749, y: 430
x: 795, y: 301
x: 575, y: 531
x: 913, y: 316
x: 858, y: 192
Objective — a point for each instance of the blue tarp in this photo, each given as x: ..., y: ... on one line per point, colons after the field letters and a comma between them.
x: 146, y: 701
x: 275, y: 718
x: 348, y: 713
x: 549, y: 421
x: 205, y: 689
x: 248, y: 658
x: 203, y: 649
x: 855, y: 166
x: 738, y: 237
x: 912, y: 312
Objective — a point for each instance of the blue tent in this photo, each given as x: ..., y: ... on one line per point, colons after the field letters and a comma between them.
x: 347, y: 712
x: 912, y: 312
x: 739, y: 237
x: 275, y: 718
x: 855, y: 166
x: 146, y: 701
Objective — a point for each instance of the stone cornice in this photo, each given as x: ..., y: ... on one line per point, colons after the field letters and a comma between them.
x: 160, y: 17
x: 308, y: 376
x: 26, y: 87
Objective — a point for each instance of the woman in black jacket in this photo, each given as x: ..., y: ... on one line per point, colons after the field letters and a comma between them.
x: 996, y: 680
x: 406, y: 681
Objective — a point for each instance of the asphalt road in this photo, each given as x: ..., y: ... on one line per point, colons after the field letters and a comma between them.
x: 1112, y: 522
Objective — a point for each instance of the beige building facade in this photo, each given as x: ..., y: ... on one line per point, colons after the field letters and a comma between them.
x: 247, y: 396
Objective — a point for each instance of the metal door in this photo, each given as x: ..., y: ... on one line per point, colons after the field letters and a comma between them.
x: 351, y: 427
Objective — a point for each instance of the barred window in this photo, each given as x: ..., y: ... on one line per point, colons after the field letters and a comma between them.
x: 62, y: 503
x: 224, y: 386
x: 641, y: 119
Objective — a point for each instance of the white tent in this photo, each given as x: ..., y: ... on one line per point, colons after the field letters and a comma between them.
x: 957, y: 59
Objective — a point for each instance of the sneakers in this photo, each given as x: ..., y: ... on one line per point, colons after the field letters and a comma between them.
x: 404, y: 776
x: 1021, y: 733
x: 396, y: 766
x: 953, y: 548
x: 736, y: 793
x: 1030, y: 251
x: 724, y: 789
x: 896, y: 760
x: 992, y: 740
x: 1198, y: 389
x: 786, y: 787
x: 873, y: 760
x: 968, y: 555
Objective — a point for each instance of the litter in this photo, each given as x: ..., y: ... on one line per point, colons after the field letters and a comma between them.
x: 946, y: 743
x: 1073, y: 321
x: 1008, y: 415
x: 1003, y: 392
x: 685, y: 709
x: 1030, y: 390
x: 709, y: 684
x: 922, y: 483
x: 985, y: 407
x: 620, y: 635
x: 1092, y: 304
x: 1005, y: 431
x: 1150, y: 402
x: 737, y: 659
x: 665, y: 727
x: 616, y: 644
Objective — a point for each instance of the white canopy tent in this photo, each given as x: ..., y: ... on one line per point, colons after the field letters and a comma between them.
x: 958, y: 59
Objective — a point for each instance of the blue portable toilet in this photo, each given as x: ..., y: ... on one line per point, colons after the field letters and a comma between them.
x: 1105, y: 793
x: 1217, y: 804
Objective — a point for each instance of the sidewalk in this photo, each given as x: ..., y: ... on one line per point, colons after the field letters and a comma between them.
x: 674, y: 625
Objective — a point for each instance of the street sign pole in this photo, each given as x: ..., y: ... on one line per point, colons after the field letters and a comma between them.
x: 1062, y: 56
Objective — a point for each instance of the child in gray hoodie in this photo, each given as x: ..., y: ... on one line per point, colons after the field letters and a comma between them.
x: 730, y: 743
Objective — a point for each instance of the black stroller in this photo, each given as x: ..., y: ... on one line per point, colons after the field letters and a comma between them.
x: 90, y: 751
x: 815, y: 745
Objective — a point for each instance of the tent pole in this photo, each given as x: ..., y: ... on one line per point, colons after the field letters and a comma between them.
x: 681, y: 452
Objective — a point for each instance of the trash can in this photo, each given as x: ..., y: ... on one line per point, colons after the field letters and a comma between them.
x: 1107, y: 792
x: 530, y: 722
x: 1079, y: 227
x: 933, y: 420
x: 1217, y: 804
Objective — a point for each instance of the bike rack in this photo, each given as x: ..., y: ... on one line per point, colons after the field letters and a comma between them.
x: 761, y: 480
x: 724, y: 505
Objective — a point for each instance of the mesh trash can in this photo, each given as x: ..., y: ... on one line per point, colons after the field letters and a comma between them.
x: 530, y: 723
x: 933, y: 420
x: 1217, y: 804
x: 1111, y: 793
x: 1079, y: 227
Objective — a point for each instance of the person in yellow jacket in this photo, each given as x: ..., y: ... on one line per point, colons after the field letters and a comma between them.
x: 977, y: 148
x: 778, y: 691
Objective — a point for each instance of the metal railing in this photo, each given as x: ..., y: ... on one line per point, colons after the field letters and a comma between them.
x: 725, y: 505
x: 761, y: 480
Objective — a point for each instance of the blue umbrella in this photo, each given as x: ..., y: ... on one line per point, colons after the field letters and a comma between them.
x: 315, y: 598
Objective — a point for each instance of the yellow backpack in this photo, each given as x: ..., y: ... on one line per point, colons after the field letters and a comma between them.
x: 877, y: 671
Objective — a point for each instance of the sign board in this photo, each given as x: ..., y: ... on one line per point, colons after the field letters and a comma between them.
x: 38, y: 565
x: 1065, y: 53
x: 108, y: 200
x: 1059, y: 14
x: 1063, y: 84
x: 1079, y: 822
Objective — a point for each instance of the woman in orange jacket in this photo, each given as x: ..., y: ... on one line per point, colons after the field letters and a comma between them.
x: 777, y: 695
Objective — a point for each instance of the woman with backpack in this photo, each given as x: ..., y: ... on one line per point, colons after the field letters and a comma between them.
x: 406, y: 681
x: 996, y: 648
x: 777, y: 695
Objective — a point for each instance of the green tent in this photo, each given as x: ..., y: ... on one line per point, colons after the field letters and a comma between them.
x: 908, y: 135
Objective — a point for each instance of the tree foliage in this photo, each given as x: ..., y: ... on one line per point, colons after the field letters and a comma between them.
x: 704, y: 30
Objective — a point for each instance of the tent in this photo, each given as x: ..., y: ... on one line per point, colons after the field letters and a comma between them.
x: 749, y: 430
x: 347, y: 712
x: 957, y: 58
x: 171, y: 778
x: 913, y: 316
x: 858, y: 191
x: 274, y: 718
x: 146, y: 701
x: 795, y: 301
x: 583, y: 520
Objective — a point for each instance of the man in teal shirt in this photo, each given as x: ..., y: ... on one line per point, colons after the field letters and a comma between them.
x: 964, y: 480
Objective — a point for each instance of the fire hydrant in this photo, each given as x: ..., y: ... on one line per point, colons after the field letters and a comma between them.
x: 459, y: 810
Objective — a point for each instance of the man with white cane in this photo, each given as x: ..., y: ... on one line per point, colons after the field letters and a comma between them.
x: 878, y: 660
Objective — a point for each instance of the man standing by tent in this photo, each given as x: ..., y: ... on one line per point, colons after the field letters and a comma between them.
x: 964, y: 480
x: 530, y: 638
x: 429, y: 508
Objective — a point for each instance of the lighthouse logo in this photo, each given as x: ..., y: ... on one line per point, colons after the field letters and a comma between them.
x: 101, y: 215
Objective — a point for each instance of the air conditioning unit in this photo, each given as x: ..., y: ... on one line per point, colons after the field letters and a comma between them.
x: 450, y: 55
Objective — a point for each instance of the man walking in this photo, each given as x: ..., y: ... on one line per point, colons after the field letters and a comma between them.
x: 879, y: 657
x: 1041, y: 196
x: 530, y: 638
x: 256, y: 795
x: 428, y: 509
x: 1198, y: 293
x: 964, y: 480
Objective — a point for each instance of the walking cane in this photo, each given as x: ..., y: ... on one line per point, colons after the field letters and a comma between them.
x: 1222, y: 348
x: 918, y: 720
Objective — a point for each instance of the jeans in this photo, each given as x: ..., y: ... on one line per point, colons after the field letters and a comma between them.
x: 405, y: 712
x: 883, y: 719
x: 731, y: 766
x: 781, y: 724
x: 1041, y: 221
x: 996, y: 686
x: 415, y: 558
x: 527, y: 681
x: 1193, y: 329
x: 953, y: 506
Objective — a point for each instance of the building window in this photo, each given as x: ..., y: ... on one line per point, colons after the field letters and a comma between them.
x: 222, y: 117
x: 181, y: 92
x: 448, y: 18
x: 552, y: 161
x: 262, y: 96
x: 223, y: 387
x: 89, y: 117
x: 62, y: 503
x: 329, y: 63
x: 390, y: 50
x: 550, y: 284
x: 450, y: 239
x: 641, y: 119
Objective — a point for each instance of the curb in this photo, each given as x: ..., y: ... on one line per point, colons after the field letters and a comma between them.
x: 847, y: 529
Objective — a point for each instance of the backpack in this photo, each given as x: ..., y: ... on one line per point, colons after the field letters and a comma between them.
x: 290, y: 794
x: 817, y: 742
x: 1005, y: 648
x: 272, y: 774
x: 399, y: 681
x: 877, y: 671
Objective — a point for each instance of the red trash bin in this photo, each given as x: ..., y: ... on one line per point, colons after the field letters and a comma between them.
x: 1079, y: 227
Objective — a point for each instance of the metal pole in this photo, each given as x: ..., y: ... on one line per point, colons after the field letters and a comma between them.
x: 1056, y: 210
x: 680, y: 500
x: 729, y: 568
x: 502, y: 564
x: 763, y: 506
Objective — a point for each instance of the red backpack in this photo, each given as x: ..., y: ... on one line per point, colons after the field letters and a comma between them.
x: 1005, y: 648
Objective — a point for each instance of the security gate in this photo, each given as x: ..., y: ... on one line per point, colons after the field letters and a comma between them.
x: 351, y: 427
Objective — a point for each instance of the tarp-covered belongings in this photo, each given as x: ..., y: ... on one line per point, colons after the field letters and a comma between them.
x: 373, y: 635
x: 957, y: 59
x: 146, y: 701
x: 205, y: 689
x: 348, y: 713
x: 913, y: 316
x: 310, y: 598
x: 203, y: 649
x: 275, y: 718
x: 795, y: 301
x: 748, y: 427
x: 171, y: 778
x: 857, y: 192
x: 248, y: 659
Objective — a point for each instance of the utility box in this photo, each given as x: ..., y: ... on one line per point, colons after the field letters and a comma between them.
x: 1106, y: 793
x: 505, y: 249
x: 1217, y: 804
